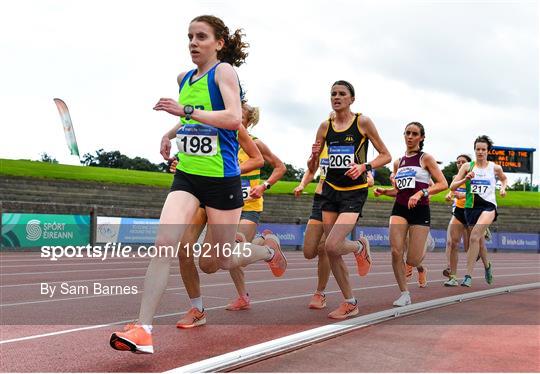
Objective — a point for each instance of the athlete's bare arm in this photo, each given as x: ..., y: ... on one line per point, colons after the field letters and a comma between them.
x: 255, y: 160
x: 230, y: 118
x: 165, y: 148
x: 320, y: 138
x: 307, y: 178
x: 499, y: 174
x: 278, y: 169
x: 368, y: 128
x: 462, y: 176
x: 392, y: 192
x: 440, y: 184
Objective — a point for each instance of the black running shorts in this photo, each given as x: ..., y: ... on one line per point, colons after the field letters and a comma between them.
x: 459, y: 213
x: 472, y: 214
x: 316, y: 211
x: 343, y: 201
x: 419, y: 215
x: 218, y: 193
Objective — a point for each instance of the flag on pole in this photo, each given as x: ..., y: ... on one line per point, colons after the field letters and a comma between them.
x: 69, y: 132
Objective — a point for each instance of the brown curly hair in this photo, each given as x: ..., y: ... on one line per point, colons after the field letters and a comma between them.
x: 234, y: 49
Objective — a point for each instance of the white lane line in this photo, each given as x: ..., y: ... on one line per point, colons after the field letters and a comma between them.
x: 101, y: 263
x: 350, y: 263
x: 259, y: 352
x: 61, y: 332
x: 292, y: 255
x: 221, y: 272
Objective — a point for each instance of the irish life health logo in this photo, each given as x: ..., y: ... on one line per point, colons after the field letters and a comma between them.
x: 33, y: 230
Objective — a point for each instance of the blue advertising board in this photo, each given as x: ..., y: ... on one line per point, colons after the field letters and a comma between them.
x: 140, y: 230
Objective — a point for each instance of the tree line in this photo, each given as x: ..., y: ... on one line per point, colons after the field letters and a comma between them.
x: 117, y: 160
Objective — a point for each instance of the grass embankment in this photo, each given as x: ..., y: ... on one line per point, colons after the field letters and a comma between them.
x: 36, y: 169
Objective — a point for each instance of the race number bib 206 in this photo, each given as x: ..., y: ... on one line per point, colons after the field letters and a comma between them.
x: 324, y: 167
x: 199, y: 140
x: 405, y: 179
x: 246, y: 189
x: 479, y: 186
x: 340, y: 156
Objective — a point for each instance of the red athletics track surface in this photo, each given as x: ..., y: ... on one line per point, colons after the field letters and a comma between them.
x: 63, y: 333
x: 496, y: 334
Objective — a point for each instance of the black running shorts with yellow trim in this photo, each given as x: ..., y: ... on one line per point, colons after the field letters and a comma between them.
x: 419, y: 215
x: 224, y: 193
x: 351, y: 201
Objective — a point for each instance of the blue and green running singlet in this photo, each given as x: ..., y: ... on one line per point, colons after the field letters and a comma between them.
x: 203, y: 149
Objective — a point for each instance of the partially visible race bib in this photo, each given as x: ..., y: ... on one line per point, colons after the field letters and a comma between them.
x: 199, y: 140
x: 405, y: 179
x: 246, y: 189
x: 324, y: 167
x: 340, y: 156
x: 480, y: 186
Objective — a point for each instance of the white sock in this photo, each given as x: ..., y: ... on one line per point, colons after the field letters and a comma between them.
x: 270, y: 253
x: 351, y: 301
x: 197, y: 303
x: 405, y: 293
x: 147, y: 328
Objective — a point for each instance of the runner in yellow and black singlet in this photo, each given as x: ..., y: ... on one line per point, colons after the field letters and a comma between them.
x: 345, y: 188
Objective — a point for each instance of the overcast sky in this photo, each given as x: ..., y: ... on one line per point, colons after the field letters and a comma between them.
x: 462, y: 68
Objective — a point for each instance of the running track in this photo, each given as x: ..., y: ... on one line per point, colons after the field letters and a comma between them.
x: 69, y: 333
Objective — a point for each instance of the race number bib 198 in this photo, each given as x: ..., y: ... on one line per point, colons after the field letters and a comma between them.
x: 324, y: 167
x: 340, y: 156
x: 405, y: 179
x: 199, y: 140
x: 246, y: 189
x: 479, y: 186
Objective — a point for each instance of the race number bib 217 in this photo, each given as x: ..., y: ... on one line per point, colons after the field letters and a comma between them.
x: 199, y: 140
x: 479, y: 186
x: 340, y: 156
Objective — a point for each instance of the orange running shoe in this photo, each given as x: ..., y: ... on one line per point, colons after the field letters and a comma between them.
x: 278, y: 263
x: 422, y: 278
x: 363, y: 257
x: 134, y: 338
x: 240, y: 303
x: 193, y: 318
x: 408, y: 271
x: 318, y: 301
x: 345, y: 310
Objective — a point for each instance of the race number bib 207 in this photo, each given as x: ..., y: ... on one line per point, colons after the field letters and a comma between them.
x: 324, y: 167
x: 405, y: 179
x: 246, y: 189
x: 479, y: 186
x: 340, y: 156
x: 199, y: 140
